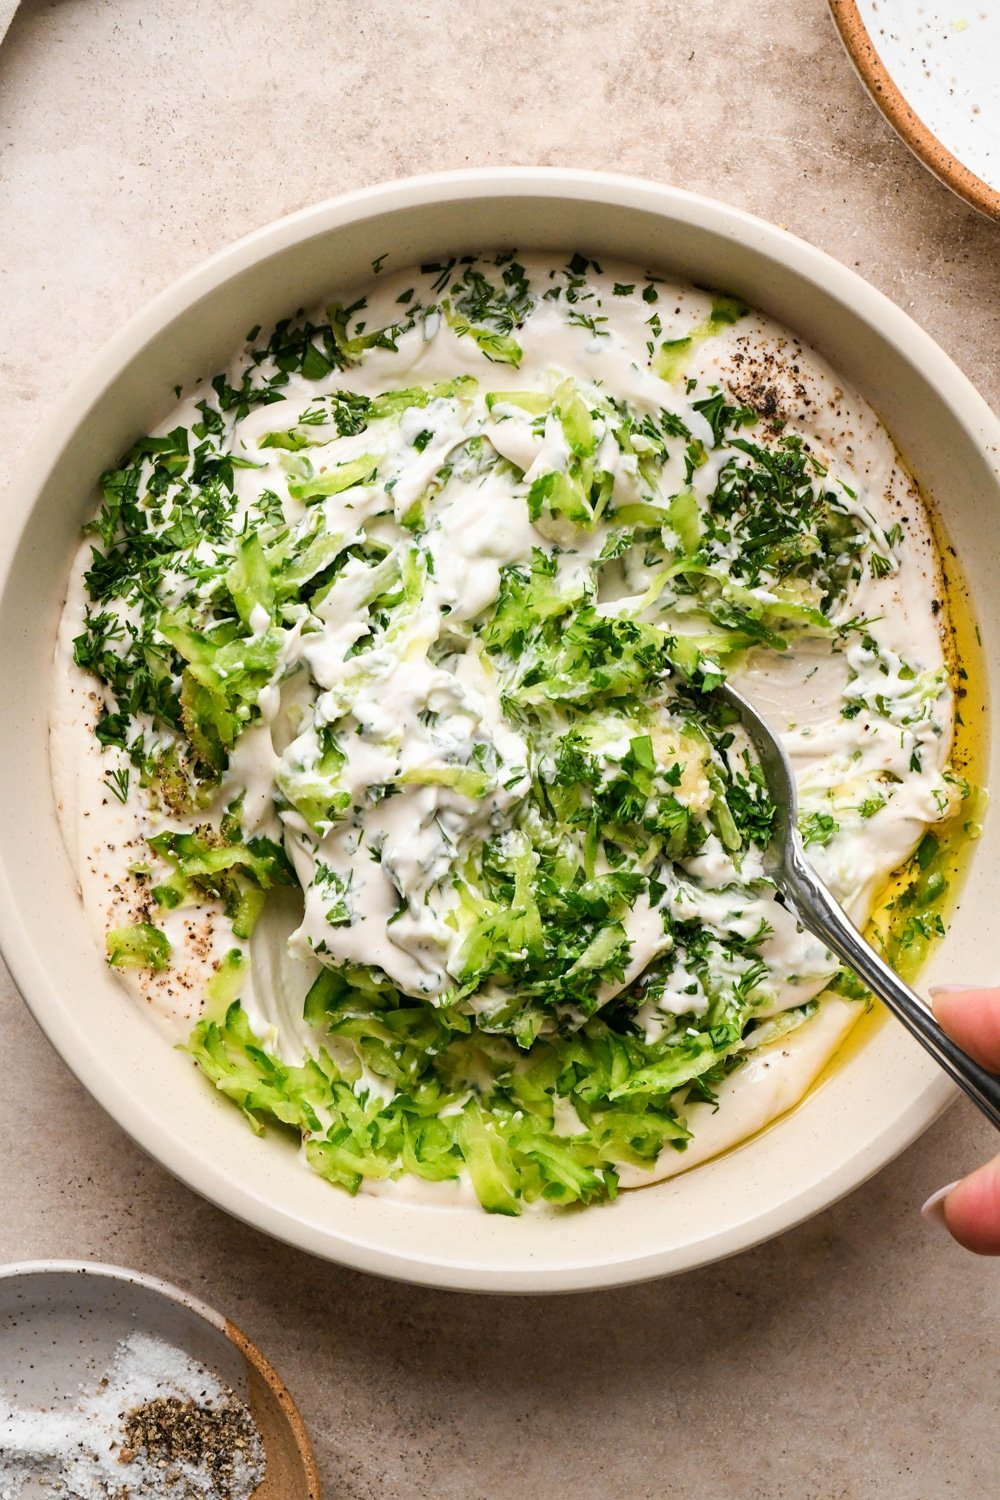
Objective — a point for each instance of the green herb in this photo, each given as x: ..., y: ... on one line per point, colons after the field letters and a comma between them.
x: 818, y: 828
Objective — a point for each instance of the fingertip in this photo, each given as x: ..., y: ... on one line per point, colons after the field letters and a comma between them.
x: 933, y: 1209
x: 971, y: 1211
x: 971, y: 1017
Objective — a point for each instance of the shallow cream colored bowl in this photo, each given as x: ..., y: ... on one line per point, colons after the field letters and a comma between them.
x: 859, y: 1119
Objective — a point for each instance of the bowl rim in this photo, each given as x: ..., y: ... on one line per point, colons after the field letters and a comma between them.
x: 463, y: 1271
x: 105, y: 1271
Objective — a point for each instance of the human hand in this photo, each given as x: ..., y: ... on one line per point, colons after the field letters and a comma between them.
x: 970, y: 1209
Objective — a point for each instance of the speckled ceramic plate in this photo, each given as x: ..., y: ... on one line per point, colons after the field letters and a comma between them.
x: 61, y: 1321
x: 863, y: 1113
x: 932, y: 69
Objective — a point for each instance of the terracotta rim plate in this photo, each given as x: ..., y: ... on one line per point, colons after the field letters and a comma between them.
x: 865, y: 1112
x: 60, y: 1321
x: 931, y: 69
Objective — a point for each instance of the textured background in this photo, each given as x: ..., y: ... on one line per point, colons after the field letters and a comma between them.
x: 855, y: 1357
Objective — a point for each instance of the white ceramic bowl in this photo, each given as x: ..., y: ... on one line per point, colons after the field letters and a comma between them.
x: 861, y: 1116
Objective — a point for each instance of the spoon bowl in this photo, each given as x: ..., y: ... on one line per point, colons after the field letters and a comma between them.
x: 806, y: 896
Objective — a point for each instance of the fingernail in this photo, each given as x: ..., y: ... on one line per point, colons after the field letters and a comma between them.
x: 933, y: 1209
x: 949, y: 989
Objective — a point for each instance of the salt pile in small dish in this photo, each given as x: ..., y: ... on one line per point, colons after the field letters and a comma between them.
x: 157, y: 1426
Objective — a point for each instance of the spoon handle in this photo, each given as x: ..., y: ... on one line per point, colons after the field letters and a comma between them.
x: 810, y: 901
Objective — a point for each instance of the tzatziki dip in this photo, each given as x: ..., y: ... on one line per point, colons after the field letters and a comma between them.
x: 385, y: 741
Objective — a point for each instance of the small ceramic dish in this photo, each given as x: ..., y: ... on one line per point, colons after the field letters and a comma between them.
x: 62, y: 1321
x: 931, y: 69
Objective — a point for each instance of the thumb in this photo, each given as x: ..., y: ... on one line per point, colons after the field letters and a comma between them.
x: 971, y: 1211
x: 972, y: 1018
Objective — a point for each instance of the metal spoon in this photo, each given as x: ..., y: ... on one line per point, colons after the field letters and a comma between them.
x: 804, y: 894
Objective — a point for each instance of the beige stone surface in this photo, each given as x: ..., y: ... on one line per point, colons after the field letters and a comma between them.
x: 854, y: 1357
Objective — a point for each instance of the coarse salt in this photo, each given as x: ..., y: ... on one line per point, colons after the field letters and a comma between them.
x: 80, y: 1454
